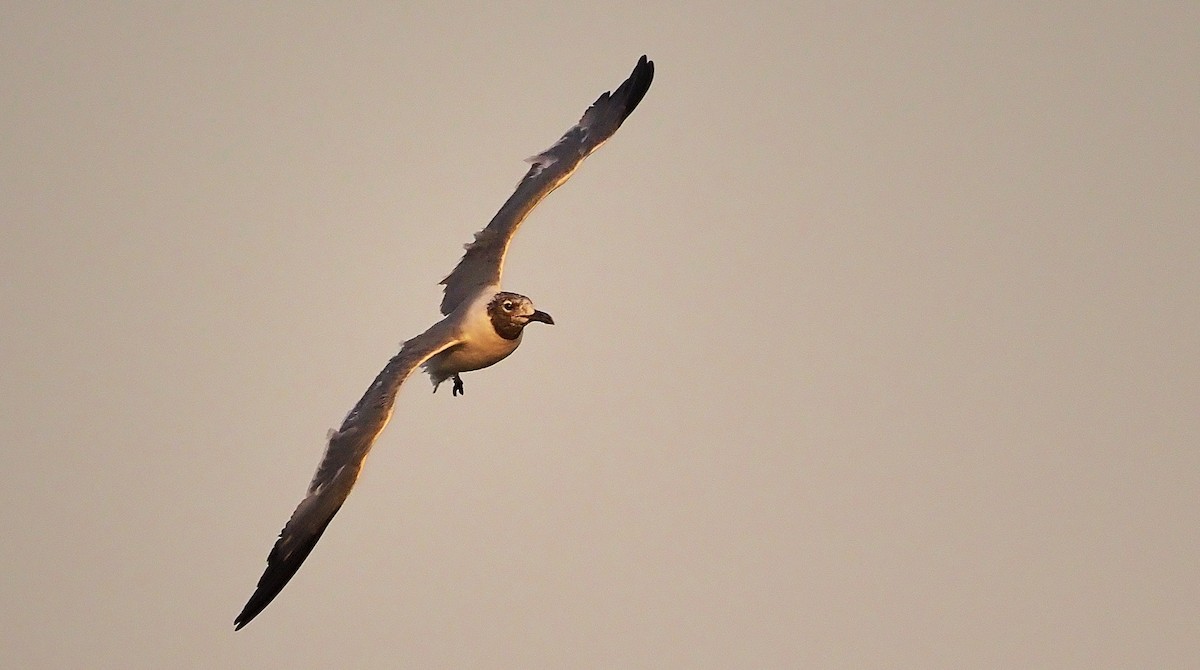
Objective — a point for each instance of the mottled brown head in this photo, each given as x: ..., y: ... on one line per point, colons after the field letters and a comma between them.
x: 511, y: 312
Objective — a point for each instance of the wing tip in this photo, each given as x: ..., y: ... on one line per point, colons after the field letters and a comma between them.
x: 280, y: 570
x: 638, y: 84
x: 620, y: 102
x: 253, y: 608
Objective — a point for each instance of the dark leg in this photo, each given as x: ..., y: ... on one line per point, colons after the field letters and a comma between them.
x: 458, y: 386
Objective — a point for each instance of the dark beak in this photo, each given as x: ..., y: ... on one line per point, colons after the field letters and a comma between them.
x: 539, y: 315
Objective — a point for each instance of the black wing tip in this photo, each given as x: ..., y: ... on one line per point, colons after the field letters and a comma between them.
x: 273, y: 580
x: 634, y: 88
x: 621, y: 102
x: 252, y: 609
x: 277, y: 575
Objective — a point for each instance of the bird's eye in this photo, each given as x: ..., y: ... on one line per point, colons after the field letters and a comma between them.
x: 508, y: 305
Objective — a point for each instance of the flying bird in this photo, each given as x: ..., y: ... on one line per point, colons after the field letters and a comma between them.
x: 482, y: 325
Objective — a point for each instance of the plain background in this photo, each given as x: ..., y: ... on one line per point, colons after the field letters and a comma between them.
x: 876, y: 348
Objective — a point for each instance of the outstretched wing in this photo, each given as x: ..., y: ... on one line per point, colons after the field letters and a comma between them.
x: 483, y: 262
x: 343, y: 460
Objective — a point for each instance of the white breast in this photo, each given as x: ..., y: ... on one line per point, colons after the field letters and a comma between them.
x: 481, y: 345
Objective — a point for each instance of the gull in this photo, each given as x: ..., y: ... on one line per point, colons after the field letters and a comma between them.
x: 482, y: 325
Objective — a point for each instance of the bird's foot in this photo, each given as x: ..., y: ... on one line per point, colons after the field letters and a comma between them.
x: 458, y: 386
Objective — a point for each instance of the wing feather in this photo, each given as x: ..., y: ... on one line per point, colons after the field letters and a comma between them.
x: 339, y: 469
x: 483, y: 262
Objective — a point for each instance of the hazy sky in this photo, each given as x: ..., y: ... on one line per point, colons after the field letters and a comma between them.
x: 876, y: 347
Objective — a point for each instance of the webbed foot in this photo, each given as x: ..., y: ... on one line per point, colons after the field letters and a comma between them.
x: 458, y: 386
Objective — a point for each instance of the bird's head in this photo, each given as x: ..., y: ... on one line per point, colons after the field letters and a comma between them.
x: 511, y: 312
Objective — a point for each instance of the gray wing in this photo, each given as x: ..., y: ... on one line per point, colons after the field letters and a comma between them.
x: 339, y: 469
x: 483, y: 261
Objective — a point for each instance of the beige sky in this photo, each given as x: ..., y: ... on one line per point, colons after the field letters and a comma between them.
x: 876, y: 346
